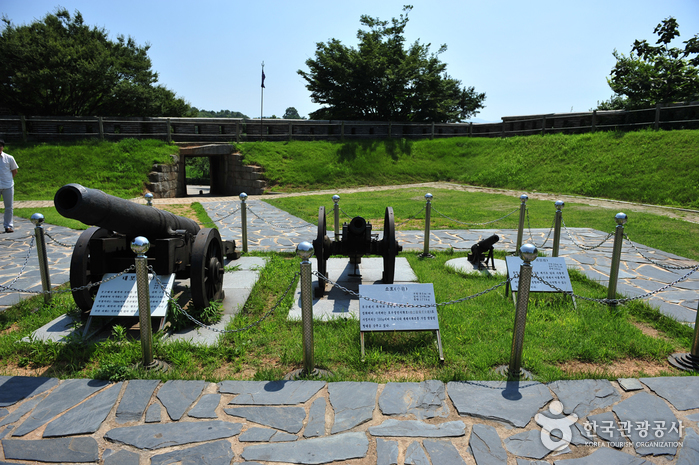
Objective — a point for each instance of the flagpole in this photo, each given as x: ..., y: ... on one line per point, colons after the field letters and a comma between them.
x: 262, y: 98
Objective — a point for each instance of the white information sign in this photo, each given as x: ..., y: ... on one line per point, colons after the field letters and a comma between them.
x: 119, y: 297
x: 384, y: 317
x: 551, y: 269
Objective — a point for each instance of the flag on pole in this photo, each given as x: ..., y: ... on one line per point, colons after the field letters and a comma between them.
x: 263, y: 77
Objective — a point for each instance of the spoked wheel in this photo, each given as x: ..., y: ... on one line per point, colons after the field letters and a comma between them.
x: 390, y: 247
x: 206, y: 275
x: 321, y: 251
x: 81, y: 273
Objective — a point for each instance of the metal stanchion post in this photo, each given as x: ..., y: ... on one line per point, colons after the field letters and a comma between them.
x: 428, y: 218
x: 621, y: 219
x: 688, y: 361
x: 557, y: 228
x: 514, y: 370
x: 38, y: 219
x: 522, y: 213
x: 336, y: 209
x: 149, y: 199
x: 305, y: 251
x: 244, y: 220
x: 140, y: 246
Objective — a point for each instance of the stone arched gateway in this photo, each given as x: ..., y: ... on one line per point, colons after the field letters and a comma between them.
x: 228, y: 175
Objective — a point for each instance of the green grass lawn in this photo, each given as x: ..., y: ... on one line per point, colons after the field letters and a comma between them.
x: 476, y: 335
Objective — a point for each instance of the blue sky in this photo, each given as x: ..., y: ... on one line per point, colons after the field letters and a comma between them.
x: 528, y: 57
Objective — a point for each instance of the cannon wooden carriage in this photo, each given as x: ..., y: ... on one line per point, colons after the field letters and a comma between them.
x: 356, y: 241
x: 178, y: 244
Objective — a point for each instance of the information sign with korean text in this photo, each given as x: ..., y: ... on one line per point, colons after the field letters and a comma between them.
x: 375, y: 316
x: 551, y: 269
x: 119, y: 297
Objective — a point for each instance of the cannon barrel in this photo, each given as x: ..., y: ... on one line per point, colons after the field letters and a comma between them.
x: 96, y: 208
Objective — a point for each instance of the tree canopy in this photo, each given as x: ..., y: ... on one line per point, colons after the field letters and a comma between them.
x: 292, y: 113
x: 381, y: 79
x: 655, y: 74
x: 59, y: 66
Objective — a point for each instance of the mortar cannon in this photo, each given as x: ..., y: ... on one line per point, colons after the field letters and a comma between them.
x: 478, y: 250
x: 356, y: 241
x: 178, y: 244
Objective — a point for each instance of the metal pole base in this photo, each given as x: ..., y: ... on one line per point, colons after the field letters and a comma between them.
x: 301, y: 374
x: 155, y: 365
x: 523, y: 374
x: 685, y: 362
x: 425, y: 255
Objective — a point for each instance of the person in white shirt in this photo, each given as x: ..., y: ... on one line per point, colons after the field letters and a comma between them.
x: 8, y: 171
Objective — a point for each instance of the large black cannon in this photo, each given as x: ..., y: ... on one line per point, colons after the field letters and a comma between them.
x: 356, y: 241
x: 177, y: 244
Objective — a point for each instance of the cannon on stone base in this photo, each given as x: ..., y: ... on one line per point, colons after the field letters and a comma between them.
x: 178, y: 245
x: 356, y: 241
x: 477, y: 256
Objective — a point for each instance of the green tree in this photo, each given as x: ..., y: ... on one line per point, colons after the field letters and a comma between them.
x: 656, y: 74
x: 292, y: 113
x: 60, y: 66
x: 381, y: 79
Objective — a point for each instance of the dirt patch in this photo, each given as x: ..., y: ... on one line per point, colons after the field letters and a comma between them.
x: 13, y: 327
x: 182, y: 209
x: 627, y: 368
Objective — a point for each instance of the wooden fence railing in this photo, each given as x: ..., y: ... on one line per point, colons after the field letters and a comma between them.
x: 203, y: 130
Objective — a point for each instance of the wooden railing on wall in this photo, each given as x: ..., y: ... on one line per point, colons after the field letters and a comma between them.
x: 202, y: 130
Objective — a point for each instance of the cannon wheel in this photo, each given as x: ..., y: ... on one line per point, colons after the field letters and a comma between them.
x: 319, y: 249
x: 80, y: 270
x: 206, y: 276
x: 390, y: 247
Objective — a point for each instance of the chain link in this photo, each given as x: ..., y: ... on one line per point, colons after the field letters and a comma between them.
x: 476, y: 224
x: 26, y: 260
x: 308, y: 225
x: 585, y: 247
x: 230, y: 331
x: 531, y: 236
x: 221, y: 218
x: 618, y: 301
x: 75, y: 289
x: 395, y: 304
x: 667, y: 267
x: 69, y: 246
x: 345, y: 213
x: 424, y: 207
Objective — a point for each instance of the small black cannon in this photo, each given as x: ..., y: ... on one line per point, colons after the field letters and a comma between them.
x: 177, y: 244
x: 357, y: 241
x: 478, y: 250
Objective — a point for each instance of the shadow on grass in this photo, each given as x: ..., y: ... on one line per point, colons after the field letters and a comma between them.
x: 393, y: 147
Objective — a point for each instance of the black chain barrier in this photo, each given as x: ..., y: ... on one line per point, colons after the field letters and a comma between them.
x: 221, y: 218
x: 289, y: 228
x: 56, y: 241
x: 531, y: 235
x: 395, y: 304
x: 230, y: 331
x: 667, y: 267
x: 582, y: 246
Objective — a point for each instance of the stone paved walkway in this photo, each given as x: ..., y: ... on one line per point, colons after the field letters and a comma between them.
x: 310, y: 422
x: 314, y: 422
